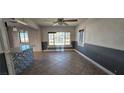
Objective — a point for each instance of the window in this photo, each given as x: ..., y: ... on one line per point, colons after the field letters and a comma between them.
x: 59, y: 38
x: 81, y: 37
x: 24, y: 37
x: 51, y: 38
x: 67, y: 38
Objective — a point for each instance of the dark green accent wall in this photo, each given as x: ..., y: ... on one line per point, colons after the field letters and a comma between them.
x: 111, y: 59
x: 3, y: 66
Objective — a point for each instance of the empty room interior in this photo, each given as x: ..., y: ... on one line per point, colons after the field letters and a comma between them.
x: 61, y: 46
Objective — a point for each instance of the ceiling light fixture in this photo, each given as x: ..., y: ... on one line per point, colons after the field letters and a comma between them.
x: 15, y: 29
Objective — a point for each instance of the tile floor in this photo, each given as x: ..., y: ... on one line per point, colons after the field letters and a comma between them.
x: 62, y: 63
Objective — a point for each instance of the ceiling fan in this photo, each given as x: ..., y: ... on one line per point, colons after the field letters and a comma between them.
x: 62, y: 22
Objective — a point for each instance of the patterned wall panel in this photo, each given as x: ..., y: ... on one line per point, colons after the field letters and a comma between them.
x: 22, y: 60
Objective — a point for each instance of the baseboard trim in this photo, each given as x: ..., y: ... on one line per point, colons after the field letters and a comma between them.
x: 36, y: 51
x: 95, y: 63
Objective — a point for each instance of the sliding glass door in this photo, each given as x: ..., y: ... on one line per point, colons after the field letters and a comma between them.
x: 57, y: 39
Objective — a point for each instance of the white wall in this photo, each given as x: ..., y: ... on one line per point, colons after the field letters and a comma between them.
x: 104, y: 32
x: 16, y: 40
x: 35, y: 40
x: 45, y: 30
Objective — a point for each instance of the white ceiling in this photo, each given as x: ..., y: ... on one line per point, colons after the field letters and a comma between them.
x: 49, y: 21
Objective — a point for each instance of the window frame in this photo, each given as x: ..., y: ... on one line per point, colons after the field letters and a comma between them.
x: 53, y: 38
x: 24, y: 37
x: 65, y: 37
x: 81, y: 38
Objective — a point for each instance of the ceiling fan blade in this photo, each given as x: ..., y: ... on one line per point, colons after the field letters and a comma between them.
x: 21, y: 22
x: 71, y: 20
x: 55, y: 24
x: 13, y: 20
x: 65, y: 24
